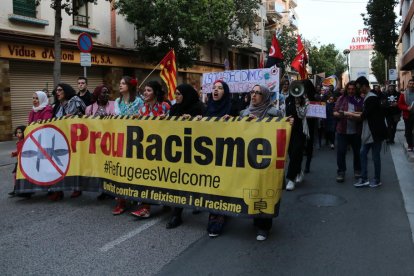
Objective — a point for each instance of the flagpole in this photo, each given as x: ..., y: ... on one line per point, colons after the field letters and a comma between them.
x: 150, y: 74
x: 153, y: 69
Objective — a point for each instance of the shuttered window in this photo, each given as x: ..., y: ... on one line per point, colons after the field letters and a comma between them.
x: 28, y: 77
x: 25, y: 7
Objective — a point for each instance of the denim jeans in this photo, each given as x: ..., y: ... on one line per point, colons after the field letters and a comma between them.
x: 343, y: 140
x: 376, y: 151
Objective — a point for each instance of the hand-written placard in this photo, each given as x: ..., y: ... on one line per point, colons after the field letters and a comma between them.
x: 316, y: 109
x: 240, y: 81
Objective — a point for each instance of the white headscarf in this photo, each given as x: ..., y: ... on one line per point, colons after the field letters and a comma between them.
x: 43, y: 101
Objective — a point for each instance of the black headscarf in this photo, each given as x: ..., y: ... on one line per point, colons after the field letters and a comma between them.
x: 221, y: 107
x: 191, y: 103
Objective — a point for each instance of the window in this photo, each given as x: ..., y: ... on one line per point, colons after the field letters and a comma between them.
x: 80, y: 14
x: 24, y: 7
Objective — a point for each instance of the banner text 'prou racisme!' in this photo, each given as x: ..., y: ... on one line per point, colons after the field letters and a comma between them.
x: 235, y: 167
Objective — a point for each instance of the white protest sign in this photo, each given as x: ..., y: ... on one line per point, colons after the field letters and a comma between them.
x: 240, y: 81
x: 317, y: 110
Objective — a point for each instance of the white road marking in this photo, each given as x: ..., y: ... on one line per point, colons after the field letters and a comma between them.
x: 129, y: 235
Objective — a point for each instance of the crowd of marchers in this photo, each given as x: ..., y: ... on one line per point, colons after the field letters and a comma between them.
x: 356, y: 116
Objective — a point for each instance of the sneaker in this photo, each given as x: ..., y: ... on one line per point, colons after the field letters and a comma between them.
x: 361, y: 183
x: 174, y: 222
x: 12, y: 194
x: 215, y: 225
x: 332, y: 146
x: 375, y: 183
x: 340, y: 178
x: 119, y: 209
x: 410, y: 149
x: 143, y: 212
x: 262, y: 235
x: 299, y: 177
x: 76, y: 194
x: 357, y: 174
x: 290, y: 185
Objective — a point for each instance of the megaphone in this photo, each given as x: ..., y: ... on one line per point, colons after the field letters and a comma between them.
x: 296, y: 88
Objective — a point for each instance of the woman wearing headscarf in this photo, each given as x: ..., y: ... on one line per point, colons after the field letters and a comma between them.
x: 41, y: 109
x: 296, y: 107
x: 219, y: 105
x: 187, y: 102
x: 260, y: 107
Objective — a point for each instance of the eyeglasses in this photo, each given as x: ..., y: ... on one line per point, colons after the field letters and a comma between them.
x: 255, y: 93
x: 59, y: 89
x: 81, y: 82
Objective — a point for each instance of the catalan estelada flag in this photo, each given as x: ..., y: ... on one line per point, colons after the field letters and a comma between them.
x: 169, y: 73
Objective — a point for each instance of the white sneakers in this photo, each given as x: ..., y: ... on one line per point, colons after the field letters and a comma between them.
x: 290, y: 185
x: 299, y: 177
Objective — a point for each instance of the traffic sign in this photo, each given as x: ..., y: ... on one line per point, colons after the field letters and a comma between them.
x: 392, y: 73
x: 85, y: 43
x: 85, y: 59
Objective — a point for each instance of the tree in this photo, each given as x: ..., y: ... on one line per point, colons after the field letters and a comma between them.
x: 381, y: 23
x: 378, y: 66
x: 185, y: 25
x: 58, y: 6
x: 327, y: 59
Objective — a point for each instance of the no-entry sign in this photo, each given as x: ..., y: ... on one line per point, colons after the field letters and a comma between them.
x: 85, y: 43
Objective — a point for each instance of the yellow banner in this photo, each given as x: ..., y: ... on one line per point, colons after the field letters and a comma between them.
x: 234, y: 167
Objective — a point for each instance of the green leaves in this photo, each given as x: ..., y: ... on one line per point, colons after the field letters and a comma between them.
x: 381, y: 23
x: 185, y: 25
x: 327, y: 59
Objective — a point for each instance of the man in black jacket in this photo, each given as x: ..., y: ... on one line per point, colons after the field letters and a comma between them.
x: 374, y: 132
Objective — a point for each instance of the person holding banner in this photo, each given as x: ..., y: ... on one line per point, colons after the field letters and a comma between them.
x: 127, y: 104
x: 154, y: 105
x: 66, y: 104
x: 101, y: 106
x: 41, y: 109
x: 219, y: 105
x: 348, y: 130
x: 100, y: 103
x: 260, y: 107
x: 188, y: 104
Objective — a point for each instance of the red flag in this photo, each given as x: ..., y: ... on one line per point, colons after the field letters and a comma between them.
x: 300, y: 61
x: 261, y: 61
x: 169, y: 73
x: 275, y: 53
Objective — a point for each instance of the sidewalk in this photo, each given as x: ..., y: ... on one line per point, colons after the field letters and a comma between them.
x: 404, y: 167
x: 5, y: 150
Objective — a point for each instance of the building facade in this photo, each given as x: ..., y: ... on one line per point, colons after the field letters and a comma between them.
x: 406, y: 43
x: 27, y: 54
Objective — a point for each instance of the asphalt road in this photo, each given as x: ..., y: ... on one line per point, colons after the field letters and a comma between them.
x: 367, y: 232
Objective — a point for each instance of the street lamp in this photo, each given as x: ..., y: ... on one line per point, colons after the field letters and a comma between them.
x: 346, y: 53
